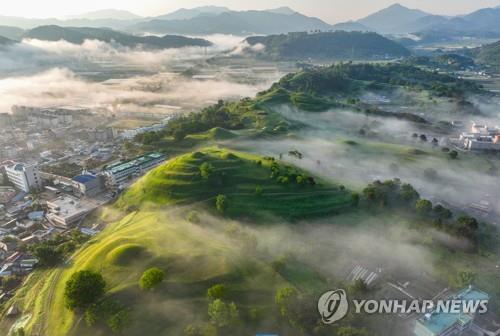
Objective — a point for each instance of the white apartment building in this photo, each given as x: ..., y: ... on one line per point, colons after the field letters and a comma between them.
x: 24, y: 177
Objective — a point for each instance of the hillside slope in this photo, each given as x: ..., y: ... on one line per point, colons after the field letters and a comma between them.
x: 488, y: 54
x: 196, y: 251
x: 329, y: 45
x: 237, y: 176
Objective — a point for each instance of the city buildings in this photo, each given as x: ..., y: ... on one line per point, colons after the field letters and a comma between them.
x: 123, y: 171
x: 24, y: 177
x: 481, y: 137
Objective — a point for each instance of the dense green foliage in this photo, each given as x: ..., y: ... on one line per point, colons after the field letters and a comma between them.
x: 151, y: 278
x: 489, y: 54
x: 223, y: 314
x: 217, y: 119
x: 451, y: 62
x: 218, y: 291
x: 79, y: 35
x: 329, y: 45
x: 83, y: 289
x: 51, y: 252
x: 347, y: 78
x: 394, y: 194
x: 109, y: 312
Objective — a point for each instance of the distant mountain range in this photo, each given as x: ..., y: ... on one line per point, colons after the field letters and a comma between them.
x: 339, y: 45
x: 12, y: 33
x: 395, y: 19
x: 390, y: 19
x: 238, y: 23
x: 78, y: 35
x: 398, y: 19
x: 106, y: 14
x: 188, y: 14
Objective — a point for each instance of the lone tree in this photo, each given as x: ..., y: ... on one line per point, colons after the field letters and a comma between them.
x: 221, y: 203
x: 83, y: 289
x: 218, y: 291
x: 423, y: 207
x: 151, y: 278
x: 223, y: 314
x: 206, y: 170
x: 119, y: 321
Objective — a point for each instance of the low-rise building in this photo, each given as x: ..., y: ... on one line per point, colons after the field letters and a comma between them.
x: 24, y: 177
x: 448, y: 324
x: 65, y: 211
x: 120, y: 172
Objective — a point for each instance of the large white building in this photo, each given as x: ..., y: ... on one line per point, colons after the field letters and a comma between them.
x: 481, y: 137
x: 24, y: 177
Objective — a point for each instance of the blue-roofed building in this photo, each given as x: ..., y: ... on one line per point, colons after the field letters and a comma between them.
x: 88, y: 184
x: 36, y: 215
x: 447, y: 323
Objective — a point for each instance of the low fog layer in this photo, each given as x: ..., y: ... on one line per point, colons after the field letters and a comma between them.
x: 383, y: 153
x: 35, y: 55
x: 163, y: 92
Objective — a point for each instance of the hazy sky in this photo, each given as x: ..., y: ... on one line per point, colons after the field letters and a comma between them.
x: 329, y: 10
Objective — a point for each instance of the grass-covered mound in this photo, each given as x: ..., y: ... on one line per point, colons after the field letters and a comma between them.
x: 125, y: 254
x: 216, y: 133
x: 253, y: 186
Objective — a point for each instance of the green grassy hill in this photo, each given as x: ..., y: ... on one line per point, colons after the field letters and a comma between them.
x: 156, y: 231
x: 246, y: 181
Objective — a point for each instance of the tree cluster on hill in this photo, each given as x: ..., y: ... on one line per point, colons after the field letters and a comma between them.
x: 232, y: 116
x: 451, y: 62
x: 395, y: 194
x: 288, y: 175
x: 488, y: 54
x: 53, y: 251
x: 85, y: 292
x: 328, y: 45
x: 350, y: 78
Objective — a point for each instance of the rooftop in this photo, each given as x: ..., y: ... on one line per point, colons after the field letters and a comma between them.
x: 439, y: 322
x: 67, y: 206
x: 84, y: 178
x: 121, y: 166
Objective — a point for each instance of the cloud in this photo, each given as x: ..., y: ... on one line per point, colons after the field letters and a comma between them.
x: 163, y: 92
x: 245, y: 47
x: 470, y: 179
